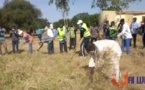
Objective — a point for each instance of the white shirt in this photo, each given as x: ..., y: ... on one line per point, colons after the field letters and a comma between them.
x: 105, y: 45
x: 49, y: 32
x: 134, y: 26
x: 125, y: 31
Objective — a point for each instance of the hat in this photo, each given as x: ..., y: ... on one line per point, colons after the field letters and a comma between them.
x: 79, y: 22
x: 20, y: 31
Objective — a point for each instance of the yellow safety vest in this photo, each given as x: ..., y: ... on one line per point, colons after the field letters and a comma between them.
x: 72, y: 33
x: 87, y: 32
x: 61, y: 32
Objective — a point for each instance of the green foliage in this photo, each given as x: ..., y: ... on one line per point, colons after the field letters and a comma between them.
x: 113, y: 8
x: 104, y: 4
x: 88, y: 19
x: 21, y: 14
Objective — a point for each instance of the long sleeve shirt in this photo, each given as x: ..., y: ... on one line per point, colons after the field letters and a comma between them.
x: 125, y: 31
x: 134, y: 27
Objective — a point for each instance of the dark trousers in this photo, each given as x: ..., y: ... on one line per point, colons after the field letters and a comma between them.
x: 143, y: 39
x: 30, y: 47
x: 72, y: 42
x: 63, y: 45
x: 15, y: 44
x: 39, y: 36
x: 134, y: 40
x: 83, y: 45
x: 50, y: 47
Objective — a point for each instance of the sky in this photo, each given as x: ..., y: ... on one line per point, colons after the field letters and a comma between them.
x: 52, y: 14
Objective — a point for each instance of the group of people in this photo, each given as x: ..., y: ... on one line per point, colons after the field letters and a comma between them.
x: 124, y: 31
x: 89, y: 40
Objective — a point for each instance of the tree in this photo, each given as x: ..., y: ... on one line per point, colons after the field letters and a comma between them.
x: 63, y: 6
x: 118, y: 4
x: 104, y: 4
x: 21, y: 14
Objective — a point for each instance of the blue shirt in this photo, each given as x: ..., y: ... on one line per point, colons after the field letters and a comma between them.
x: 39, y: 31
x: 2, y: 34
x: 56, y: 34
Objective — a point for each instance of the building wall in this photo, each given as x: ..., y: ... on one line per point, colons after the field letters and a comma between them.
x: 139, y: 17
x: 113, y: 16
x: 106, y: 15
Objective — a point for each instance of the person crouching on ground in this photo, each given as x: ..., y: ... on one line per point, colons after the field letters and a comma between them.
x: 98, y: 50
x: 28, y: 39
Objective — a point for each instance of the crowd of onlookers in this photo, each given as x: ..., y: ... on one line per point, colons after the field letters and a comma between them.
x: 111, y: 31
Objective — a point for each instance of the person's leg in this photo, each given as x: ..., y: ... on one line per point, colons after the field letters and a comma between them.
x: 70, y: 42
x: 0, y: 48
x: 13, y: 46
x: 75, y: 43
x: 135, y: 35
x: 50, y: 47
x: 82, y: 48
x: 61, y: 47
x: 143, y: 40
x: 40, y: 45
x: 17, y: 46
x: 127, y: 41
x: 30, y: 47
x: 122, y: 45
x: 65, y: 46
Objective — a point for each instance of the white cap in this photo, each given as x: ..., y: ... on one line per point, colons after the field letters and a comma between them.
x: 20, y: 31
x: 79, y: 22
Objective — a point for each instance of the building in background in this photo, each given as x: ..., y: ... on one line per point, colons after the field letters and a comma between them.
x: 116, y: 16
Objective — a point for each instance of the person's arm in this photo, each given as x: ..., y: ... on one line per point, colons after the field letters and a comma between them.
x: 82, y: 30
x: 55, y: 34
x: 123, y: 31
x: 26, y: 39
x: 65, y: 32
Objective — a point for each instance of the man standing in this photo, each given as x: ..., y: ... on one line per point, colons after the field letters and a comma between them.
x: 106, y: 29
x: 85, y: 35
x: 15, y: 40
x: 47, y: 38
x: 143, y: 33
x: 2, y: 40
x: 72, y: 36
x: 50, y: 34
x: 126, y: 36
x: 113, y: 31
x: 61, y: 33
x: 94, y: 32
x: 134, y: 27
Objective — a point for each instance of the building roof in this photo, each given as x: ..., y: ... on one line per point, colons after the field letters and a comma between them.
x: 133, y: 12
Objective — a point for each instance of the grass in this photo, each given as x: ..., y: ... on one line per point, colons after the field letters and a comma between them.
x: 40, y: 71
